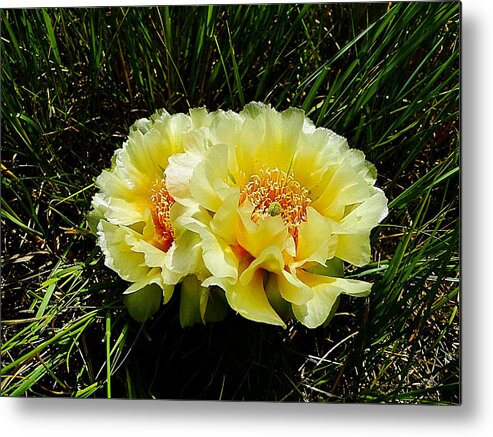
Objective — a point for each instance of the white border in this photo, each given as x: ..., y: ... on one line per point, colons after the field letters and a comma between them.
x: 72, y: 417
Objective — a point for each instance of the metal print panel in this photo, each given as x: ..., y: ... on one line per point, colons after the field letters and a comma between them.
x: 248, y: 202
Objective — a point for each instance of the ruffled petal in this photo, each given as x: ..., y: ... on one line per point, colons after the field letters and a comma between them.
x: 325, y: 292
x: 119, y: 254
x: 316, y: 241
x: 268, y: 137
x: 292, y: 289
x: 225, y: 220
x: 97, y: 212
x: 225, y: 127
x: 178, y: 174
x: 218, y: 256
x: 255, y: 237
x: 345, y: 188
x: 367, y: 215
x: 314, y: 313
x: 319, y: 149
x: 270, y: 260
x: 250, y: 300
x: 354, y: 248
x: 211, y: 181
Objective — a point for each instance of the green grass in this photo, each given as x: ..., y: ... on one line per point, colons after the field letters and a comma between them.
x: 384, y: 75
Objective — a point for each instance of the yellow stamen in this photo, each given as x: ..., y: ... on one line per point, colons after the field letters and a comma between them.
x: 162, y: 201
x: 274, y: 192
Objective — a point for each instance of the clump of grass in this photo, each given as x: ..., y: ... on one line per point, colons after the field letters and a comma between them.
x: 386, y: 76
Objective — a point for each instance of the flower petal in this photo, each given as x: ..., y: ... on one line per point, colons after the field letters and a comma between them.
x: 209, y: 184
x: 97, y: 212
x: 292, y: 289
x: 178, y: 174
x: 367, y: 215
x: 255, y: 237
x: 119, y: 254
x: 318, y: 150
x: 268, y: 137
x: 314, y: 313
x: 250, y: 300
x: 345, y: 187
x: 325, y: 293
x: 354, y: 248
x: 225, y: 127
x: 186, y: 256
x: 316, y: 241
x: 224, y: 221
x: 217, y: 254
x: 270, y: 260
x: 154, y: 257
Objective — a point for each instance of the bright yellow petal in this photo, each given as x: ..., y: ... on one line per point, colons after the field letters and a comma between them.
x: 151, y: 142
x: 281, y: 139
x: 255, y: 237
x: 200, y: 117
x: 346, y: 286
x: 365, y: 169
x: 143, y: 157
x: 316, y: 241
x: 186, y: 257
x: 267, y: 137
x: 172, y: 130
x: 210, y: 183
x: 225, y: 127
x: 270, y: 260
x: 318, y: 150
x: 354, y: 248
x: 224, y: 222
x: 119, y: 254
x: 154, y: 257
x: 368, y: 214
x: 217, y: 254
x: 117, y: 200
x: 314, y: 313
x: 182, y: 217
x: 325, y: 292
x: 345, y: 188
x: 154, y: 276
x: 250, y: 300
x: 292, y: 289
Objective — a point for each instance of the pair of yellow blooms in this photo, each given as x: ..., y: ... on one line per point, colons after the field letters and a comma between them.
x: 255, y: 210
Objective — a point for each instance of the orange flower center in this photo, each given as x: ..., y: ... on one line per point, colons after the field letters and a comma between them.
x: 162, y: 201
x: 274, y: 192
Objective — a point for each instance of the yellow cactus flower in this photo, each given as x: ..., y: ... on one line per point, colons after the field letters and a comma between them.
x: 138, y: 222
x: 274, y: 200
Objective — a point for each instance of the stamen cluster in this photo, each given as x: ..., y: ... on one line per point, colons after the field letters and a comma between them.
x: 274, y: 192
